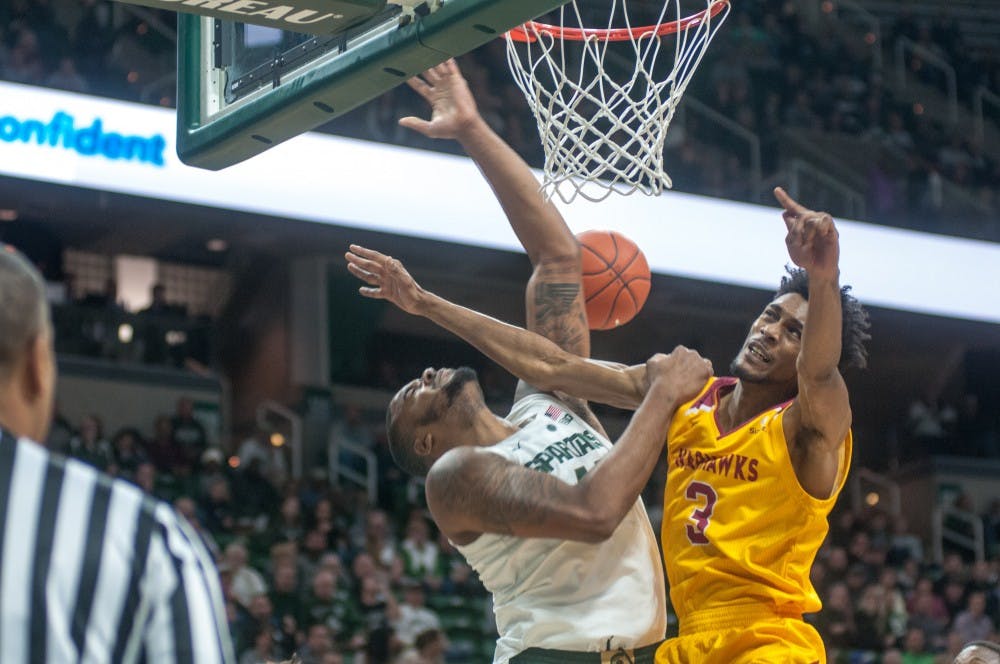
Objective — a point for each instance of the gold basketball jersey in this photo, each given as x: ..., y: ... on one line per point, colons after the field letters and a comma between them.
x: 739, y: 532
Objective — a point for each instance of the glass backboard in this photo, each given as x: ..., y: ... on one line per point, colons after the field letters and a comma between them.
x: 245, y: 87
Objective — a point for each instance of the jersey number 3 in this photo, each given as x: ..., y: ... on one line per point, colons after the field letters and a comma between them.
x: 701, y: 515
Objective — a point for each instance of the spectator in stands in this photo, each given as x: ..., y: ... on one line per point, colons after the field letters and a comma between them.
x: 24, y: 62
x: 414, y: 616
x: 151, y: 330
x: 66, y: 77
x: 286, y: 599
x: 871, y: 620
x: 218, y: 509
x: 929, y: 423
x: 973, y: 624
x: 162, y: 449
x: 333, y: 607
x: 888, y: 578
x: 319, y: 643
x: 331, y: 563
x: 927, y: 611
x: 984, y: 578
x: 953, y: 594
x: 211, y: 470
x: 127, y: 447
x: 836, y: 621
x: 378, y: 611
x: 915, y: 647
x: 363, y: 566
x: 263, y: 651
x: 419, y: 553
x: 350, y: 429
x: 60, y: 432
x: 323, y: 520
x: 378, y: 539
x: 189, y: 434
x: 255, y: 495
x: 313, y: 548
x: 288, y: 524
x: 246, y: 582
x: 270, y: 460
x: 903, y: 545
x: 89, y: 444
x: 428, y: 648
x: 892, y: 656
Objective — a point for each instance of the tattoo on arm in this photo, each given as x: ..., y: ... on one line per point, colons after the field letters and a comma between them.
x: 558, y: 316
x: 557, y: 312
x: 498, y: 497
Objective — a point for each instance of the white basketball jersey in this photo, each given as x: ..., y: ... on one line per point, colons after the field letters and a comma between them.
x: 562, y: 595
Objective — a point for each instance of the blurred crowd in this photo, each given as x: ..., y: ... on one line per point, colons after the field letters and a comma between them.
x: 884, y: 601
x: 766, y: 72
x: 970, y: 428
x: 308, y: 567
x: 319, y: 567
x: 315, y: 567
x: 771, y: 74
x: 162, y: 333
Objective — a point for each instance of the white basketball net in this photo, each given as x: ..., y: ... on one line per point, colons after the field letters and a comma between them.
x: 604, y: 131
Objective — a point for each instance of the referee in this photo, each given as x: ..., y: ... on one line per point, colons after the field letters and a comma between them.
x: 91, y: 569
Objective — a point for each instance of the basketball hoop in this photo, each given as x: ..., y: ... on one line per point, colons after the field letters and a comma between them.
x: 603, y: 126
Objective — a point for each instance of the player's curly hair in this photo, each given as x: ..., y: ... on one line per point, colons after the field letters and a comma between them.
x: 854, y: 334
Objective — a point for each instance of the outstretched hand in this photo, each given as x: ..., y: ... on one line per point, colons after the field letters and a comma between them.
x: 453, y: 110
x: 386, y: 277
x: 812, y: 240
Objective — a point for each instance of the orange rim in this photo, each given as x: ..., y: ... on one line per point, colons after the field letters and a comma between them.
x: 528, y: 32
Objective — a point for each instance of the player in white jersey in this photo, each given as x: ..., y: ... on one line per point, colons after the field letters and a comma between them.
x: 562, y: 541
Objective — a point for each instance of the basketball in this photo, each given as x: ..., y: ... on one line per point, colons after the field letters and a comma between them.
x: 615, y: 278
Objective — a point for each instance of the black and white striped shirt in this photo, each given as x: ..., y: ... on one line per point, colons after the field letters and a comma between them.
x: 92, y: 570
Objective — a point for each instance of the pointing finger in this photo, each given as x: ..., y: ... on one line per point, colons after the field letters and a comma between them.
x: 787, y: 202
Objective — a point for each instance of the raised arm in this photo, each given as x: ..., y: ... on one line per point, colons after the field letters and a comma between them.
x: 529, y: 356
x: 554, y: 294
x: 474, y: 491
x: 537, y: 223
x: 817, y: 422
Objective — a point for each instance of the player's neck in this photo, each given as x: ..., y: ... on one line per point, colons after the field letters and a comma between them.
x: 746, y: 400
x: 488, y: 429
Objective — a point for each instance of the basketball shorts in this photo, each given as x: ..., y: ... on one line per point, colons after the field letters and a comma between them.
x: 643, y: 655
x: 736, y: 637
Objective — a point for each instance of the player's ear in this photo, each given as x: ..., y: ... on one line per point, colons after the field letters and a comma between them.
x: 423, y: 445
x: 36, y: 367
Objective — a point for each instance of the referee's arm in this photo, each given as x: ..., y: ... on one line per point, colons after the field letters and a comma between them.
x: 182, y: 612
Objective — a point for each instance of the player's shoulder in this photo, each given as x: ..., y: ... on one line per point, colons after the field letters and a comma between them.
x: 459, y: 463
x: 529, y: 402
x: 457, y: 477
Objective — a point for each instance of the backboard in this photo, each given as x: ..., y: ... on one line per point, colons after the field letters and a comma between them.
x: 245, y: 87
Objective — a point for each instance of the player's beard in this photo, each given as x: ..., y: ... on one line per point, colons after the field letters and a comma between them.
x: 458, y: 380
x: 737, y: 370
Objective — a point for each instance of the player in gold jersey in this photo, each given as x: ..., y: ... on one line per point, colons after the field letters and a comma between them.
x: 756, y: 461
